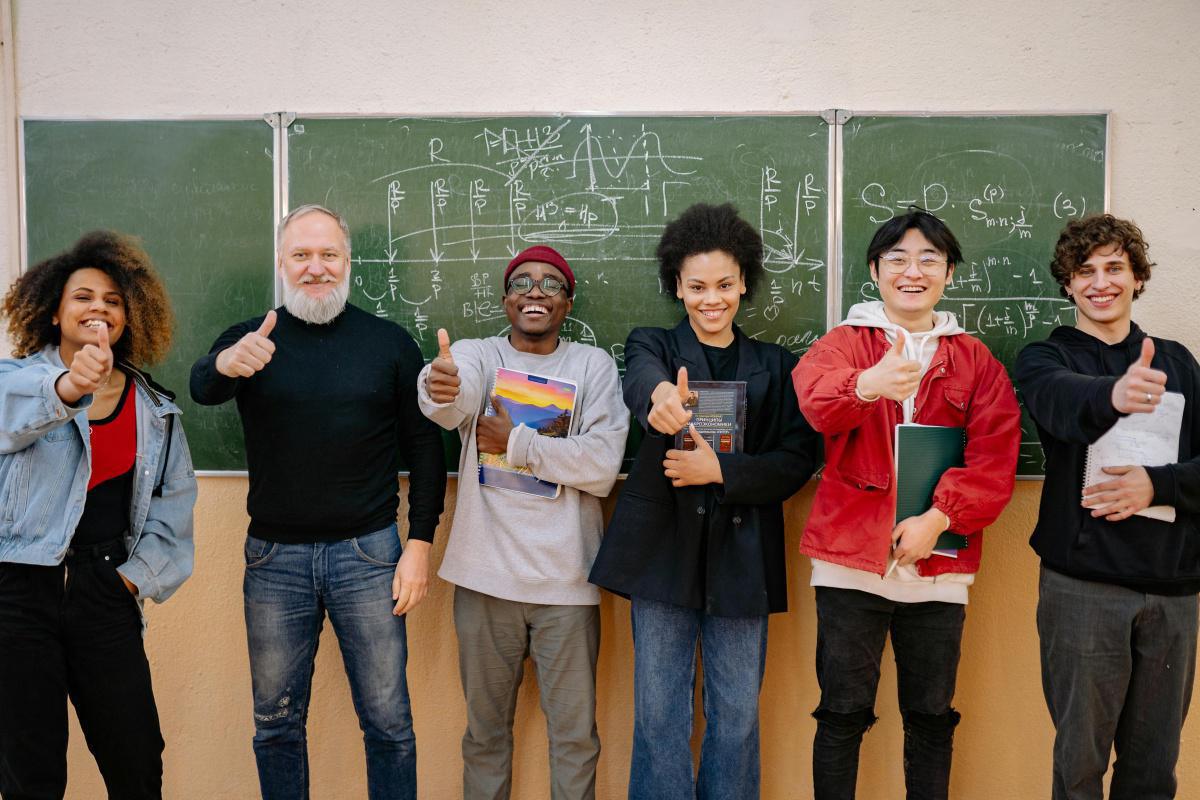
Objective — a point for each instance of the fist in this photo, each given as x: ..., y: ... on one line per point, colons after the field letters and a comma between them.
x: 667, y: 414
x: 90, y: 369
x: 1141, y: 388
x: 251, y: 353
x: 894, y: 376
x: 443, y: 382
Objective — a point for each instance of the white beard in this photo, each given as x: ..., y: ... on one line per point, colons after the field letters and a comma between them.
x: 317, y: 310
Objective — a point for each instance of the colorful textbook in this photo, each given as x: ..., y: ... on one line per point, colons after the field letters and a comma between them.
x: 545, y: 404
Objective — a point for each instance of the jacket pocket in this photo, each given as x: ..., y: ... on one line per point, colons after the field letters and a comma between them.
x: 14, y: 484
x: 866, y: 480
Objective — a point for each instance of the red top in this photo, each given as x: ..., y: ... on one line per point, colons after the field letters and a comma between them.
x: 114, y: 440
x: 854, y: 511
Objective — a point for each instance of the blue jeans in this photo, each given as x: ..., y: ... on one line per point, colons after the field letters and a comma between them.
x: 288, y: 589
x: 852, y: 627
x: 734, y: 651
x: 1117, y: 671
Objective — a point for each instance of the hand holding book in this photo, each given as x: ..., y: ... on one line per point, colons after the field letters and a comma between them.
x: 696, y: 467
x: 491, y: 432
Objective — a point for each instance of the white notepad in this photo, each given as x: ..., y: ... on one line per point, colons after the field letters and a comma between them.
x: 1148, y: 440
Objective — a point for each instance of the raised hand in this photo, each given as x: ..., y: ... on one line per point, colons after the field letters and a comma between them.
x: 251, y: 353
x: 1141, y: 388
x: 491, y: 433
x: 667, y: 414
x: 90, y: 369
x: 894, y: 376
x: 698, y: 467
x: 443, y: 382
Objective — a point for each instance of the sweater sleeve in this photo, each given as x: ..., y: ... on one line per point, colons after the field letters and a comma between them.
x: 589, y: 459
x: 776, y: 474
x: 972, y: 496
x: 421, y: 446
x: 474, y: 374
x: 825, y: 381
x: 209, y: 387
x: 1179, y: 484
x: 1071, y: 406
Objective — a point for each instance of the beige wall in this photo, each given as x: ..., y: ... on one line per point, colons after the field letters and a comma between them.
x: 169, y: 57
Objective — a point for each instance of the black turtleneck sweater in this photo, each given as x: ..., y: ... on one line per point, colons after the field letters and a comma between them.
x: 326, y: 424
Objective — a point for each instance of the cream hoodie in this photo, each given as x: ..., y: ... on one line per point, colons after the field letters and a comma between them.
x: 904, y: 584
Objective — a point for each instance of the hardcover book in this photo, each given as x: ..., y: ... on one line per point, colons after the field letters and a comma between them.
x: 718, y: 413
x: 545, y: 404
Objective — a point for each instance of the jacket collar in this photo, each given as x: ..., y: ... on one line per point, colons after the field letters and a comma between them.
x: 692, y: 353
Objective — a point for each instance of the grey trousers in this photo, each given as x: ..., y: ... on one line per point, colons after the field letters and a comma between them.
x: 1117, y: 671
x: 494, y: 638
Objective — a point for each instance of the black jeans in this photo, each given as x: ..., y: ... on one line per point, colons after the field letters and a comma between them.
x: 852, y: 627
x: 74, y: 631
x: 1117, y: 671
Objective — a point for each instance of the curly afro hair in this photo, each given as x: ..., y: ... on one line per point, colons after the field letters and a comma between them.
x: 1082, y: 237
x: 33, y: 300
x: 703, y: 228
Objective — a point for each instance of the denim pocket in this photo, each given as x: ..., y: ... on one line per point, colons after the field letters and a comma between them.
x: 381, y: 548
x: 14, y: 482
x: 258, y: 551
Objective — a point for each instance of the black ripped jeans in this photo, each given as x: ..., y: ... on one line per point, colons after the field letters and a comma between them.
x: 852, y: 627
x: 74, y: 630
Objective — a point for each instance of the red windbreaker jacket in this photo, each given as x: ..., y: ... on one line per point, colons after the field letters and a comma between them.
x: 854, y: 511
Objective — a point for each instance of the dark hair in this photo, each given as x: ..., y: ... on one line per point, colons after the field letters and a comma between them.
x: 703, y: 228
x: 33, y: 300
x: 1082, y: 237
x: 932, y: 228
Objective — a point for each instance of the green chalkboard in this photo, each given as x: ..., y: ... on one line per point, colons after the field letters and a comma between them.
x: 437, y: 207
x: 1006, y: 185
x: 200, y: 195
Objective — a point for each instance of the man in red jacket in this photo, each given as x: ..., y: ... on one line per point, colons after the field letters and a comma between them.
x: 898, y: 360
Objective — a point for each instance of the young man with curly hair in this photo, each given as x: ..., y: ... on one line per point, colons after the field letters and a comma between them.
x: 898, y: 360
x: 697, y: 537
x: 1117, y: 594
x: 96, y: 496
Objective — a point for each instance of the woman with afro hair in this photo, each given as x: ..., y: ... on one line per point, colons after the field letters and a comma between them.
x: 697, y: 540
x: 96, y: 496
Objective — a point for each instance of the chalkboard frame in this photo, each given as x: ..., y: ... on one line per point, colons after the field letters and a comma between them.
x: 835, y: 119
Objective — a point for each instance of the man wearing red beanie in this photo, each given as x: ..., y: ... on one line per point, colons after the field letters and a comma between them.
x: 519, y: 561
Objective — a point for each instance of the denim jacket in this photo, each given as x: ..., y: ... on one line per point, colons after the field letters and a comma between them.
x: 45, y: 464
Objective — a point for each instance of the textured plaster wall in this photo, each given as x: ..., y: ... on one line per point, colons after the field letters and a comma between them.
x: 168, y: 57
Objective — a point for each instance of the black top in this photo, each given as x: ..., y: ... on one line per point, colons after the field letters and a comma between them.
x: 326, y: 423
x: 722, y: 361
x: 106, y: 507
x: 669, y: 544
x: 1066, y: 383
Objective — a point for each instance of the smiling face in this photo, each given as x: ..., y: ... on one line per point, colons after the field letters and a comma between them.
x: 1102, y: 289
x: 535, y: 316
x: 314, y: 264
x: 90, y: 299
x: 910, y: 295
x: 711, y: 288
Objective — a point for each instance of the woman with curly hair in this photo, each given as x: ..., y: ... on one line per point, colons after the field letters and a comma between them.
x: 696, y: 540
x: 96, y: 496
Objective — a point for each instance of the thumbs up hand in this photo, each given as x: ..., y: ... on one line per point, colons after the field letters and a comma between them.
x: 1141, y: 387
x: 667, y: 412
x: 696, y: 467
x: 251, y: 353
x: 894, y: 376
x: 90, y: 369
x: 443, y: 382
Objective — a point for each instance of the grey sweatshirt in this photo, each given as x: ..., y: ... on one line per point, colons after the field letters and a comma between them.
x: 517, y: 546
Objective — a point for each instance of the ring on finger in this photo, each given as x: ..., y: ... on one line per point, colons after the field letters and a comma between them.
x: 1149, y: 398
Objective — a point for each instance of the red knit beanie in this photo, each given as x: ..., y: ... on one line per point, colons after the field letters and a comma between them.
x: 546, y: 255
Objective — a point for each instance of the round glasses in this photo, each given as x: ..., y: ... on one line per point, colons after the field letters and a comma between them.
x: 896, y: 264
x: 523, y: 284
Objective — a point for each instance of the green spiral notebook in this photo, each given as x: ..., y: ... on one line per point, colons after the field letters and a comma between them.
x: 923, y: 454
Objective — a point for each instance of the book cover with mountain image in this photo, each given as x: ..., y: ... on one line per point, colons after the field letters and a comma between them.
x: 535, y: 401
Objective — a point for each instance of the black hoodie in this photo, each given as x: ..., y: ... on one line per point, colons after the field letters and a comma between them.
x: 1066, y: 383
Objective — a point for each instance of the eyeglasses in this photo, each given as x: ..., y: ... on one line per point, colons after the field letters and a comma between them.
x: 897, y: 264
x: 523, y: 284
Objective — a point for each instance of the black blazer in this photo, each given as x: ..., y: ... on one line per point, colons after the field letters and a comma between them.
x: 657, y: 545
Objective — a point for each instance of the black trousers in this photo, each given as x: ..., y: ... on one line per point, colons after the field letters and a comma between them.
x: 74, y: 631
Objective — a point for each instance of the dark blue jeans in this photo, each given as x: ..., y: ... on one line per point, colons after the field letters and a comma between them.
x: 734, y: 651
x: 852, y: 628
x: 1117, y: 671
x: 288, y: 590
